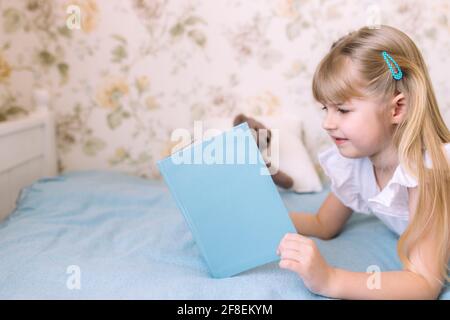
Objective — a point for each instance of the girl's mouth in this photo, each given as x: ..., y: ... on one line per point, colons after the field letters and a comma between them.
x: 339, y: 140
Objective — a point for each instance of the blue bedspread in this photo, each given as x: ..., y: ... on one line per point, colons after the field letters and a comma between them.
x: 128, y: 240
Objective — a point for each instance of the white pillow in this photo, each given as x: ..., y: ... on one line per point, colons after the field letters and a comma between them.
x: 293, y: 156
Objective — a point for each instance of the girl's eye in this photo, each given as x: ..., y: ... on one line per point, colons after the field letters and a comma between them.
x: 339, y: 110
x: 342, y: 111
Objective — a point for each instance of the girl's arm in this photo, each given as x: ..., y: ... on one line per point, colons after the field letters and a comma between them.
x: 392, y: 285
x: 422, y: 284
x: 301, y: 255
x: 328, y: 221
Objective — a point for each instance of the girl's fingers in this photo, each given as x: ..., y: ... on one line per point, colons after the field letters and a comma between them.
x: 296, y: 237
x: 287, y: 264
x: 294, y: 241
x: 291, y: 255
x: 291, y: 245
x: 291, y: 265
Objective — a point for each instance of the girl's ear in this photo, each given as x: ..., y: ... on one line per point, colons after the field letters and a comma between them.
x: 399, y: 108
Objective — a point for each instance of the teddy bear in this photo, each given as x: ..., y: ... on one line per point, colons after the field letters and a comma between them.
x: 280, y: 178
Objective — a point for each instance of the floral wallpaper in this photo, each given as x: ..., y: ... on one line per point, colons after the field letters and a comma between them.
x: 137, y: 69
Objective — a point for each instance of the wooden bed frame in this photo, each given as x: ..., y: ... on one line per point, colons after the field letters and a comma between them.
x: 27, y: 148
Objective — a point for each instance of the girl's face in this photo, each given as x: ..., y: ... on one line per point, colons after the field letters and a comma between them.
x: 358, y: 127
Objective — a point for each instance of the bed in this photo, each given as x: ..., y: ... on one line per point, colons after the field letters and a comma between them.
x: 109, y: 235
x: 27, y: 151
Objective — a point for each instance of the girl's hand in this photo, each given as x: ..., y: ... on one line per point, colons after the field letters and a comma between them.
x: 301, y: 255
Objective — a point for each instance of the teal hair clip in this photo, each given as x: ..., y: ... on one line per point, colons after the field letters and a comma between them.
x: 396, y: 75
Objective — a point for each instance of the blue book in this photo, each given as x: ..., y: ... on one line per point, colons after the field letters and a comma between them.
x: 227, y: 196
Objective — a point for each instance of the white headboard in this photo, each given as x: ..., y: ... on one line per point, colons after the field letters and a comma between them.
x: 27, y: 152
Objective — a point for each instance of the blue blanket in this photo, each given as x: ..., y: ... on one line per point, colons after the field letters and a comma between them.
x: 104, y: 235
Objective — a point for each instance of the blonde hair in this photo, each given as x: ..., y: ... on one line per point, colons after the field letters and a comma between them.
x: 423, y: 128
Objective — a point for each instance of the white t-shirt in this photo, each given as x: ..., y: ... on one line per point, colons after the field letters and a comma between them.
x: 353, y: 182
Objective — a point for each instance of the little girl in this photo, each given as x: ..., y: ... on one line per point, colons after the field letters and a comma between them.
x: 390, y: 158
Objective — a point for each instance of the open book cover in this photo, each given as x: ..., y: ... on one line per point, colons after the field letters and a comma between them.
x: 226, y: 194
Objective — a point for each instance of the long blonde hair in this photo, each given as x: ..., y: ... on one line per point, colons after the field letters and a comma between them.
x: 423, y: 128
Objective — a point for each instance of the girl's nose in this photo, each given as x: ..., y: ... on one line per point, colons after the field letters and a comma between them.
x: 329, y: 122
